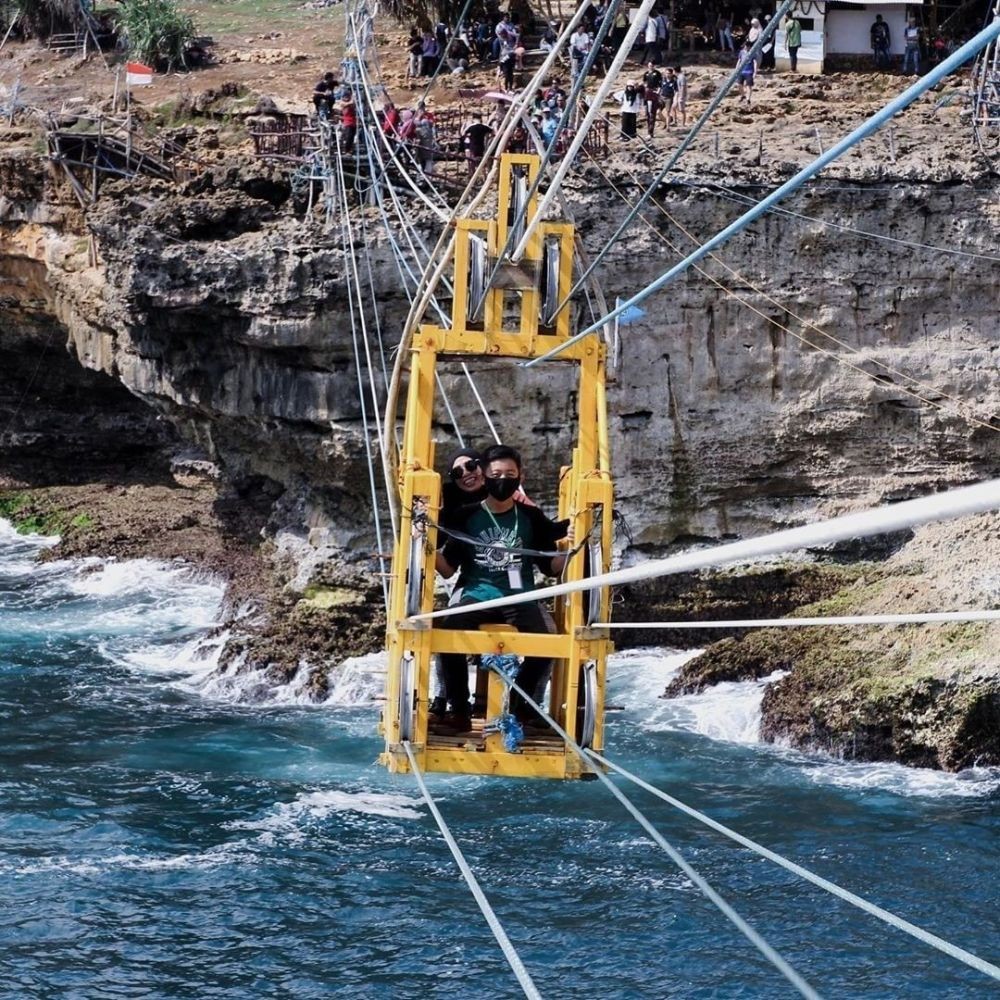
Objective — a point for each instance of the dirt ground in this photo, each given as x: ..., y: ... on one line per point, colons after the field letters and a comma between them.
x: 279, y: 49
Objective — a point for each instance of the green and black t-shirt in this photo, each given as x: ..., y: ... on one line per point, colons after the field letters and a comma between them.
x: 490, y: 568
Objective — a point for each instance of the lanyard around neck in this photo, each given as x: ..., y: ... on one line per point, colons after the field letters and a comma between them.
x: 496, y: 524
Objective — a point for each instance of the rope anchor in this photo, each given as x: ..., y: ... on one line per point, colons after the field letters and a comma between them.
x: 507, y: 666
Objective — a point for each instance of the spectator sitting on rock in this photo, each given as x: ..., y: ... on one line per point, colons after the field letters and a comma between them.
x: 549, y: 38
x: 458, y: 56
x: 483, y: 38
x: 553, y: 92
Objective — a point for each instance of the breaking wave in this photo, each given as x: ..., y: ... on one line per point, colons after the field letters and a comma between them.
x: 731, y: 712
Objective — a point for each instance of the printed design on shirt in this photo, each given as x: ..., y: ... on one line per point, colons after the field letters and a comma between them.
x: 494, y: 556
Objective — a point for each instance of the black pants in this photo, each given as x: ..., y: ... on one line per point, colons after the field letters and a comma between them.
x: 793, y: 57
x: 507, y: 68
x: 527, y: 618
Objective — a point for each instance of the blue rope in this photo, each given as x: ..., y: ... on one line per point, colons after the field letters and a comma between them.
x: 511, y: 730
x: 872, y: 124
x: 507, y: 666
x: 504, y: 664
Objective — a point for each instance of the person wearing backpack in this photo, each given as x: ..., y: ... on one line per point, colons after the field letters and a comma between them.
x: 880, y: 42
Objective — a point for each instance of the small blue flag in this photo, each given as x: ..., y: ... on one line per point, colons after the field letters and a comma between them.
x: 630, y: 315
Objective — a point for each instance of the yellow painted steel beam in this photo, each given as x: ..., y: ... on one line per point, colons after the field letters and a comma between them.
x: 511, y: 328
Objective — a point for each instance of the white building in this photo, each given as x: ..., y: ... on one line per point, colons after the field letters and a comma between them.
x: 842, y: 28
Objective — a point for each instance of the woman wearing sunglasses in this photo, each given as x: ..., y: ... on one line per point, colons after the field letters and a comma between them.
x: 464, y: 486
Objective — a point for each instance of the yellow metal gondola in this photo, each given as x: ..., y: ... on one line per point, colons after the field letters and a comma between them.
x: 531, y: 290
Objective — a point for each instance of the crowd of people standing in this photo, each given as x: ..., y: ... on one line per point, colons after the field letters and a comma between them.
x: 658, y: 97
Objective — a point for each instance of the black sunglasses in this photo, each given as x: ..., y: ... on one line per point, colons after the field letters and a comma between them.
x: 466, y: 467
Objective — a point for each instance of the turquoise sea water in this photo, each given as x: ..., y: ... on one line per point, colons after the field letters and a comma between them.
x: 168, y: 833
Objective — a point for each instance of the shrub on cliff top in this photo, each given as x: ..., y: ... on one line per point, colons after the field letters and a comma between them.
x: 156, y: 32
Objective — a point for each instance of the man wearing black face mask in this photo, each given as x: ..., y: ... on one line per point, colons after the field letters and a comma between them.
x: 497, y: 565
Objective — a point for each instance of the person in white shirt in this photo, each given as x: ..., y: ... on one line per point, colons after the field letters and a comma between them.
x: 579, y: 46
x: 651, y: 53
x: 633, y: 99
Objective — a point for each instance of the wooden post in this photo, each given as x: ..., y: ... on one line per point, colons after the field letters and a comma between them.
x: 97, y: 153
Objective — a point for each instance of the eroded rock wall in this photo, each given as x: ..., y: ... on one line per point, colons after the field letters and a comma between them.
x: 217, y: 307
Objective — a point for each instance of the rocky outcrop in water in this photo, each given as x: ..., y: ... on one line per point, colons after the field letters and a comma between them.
x: 925, y: 695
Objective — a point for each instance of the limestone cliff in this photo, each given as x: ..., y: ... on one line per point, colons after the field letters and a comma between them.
x: 222, y: 312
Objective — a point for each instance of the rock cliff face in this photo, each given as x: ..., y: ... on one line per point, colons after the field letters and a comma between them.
x: 220, y: 310
x: 222, y: 313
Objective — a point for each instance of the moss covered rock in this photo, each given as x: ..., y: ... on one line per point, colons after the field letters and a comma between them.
x: 924, y: 695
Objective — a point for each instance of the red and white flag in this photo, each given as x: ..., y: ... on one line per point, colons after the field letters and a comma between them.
x: 138, y: 75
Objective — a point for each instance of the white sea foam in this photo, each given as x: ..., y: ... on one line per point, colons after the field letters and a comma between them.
x: 193, y: 660
x: 358, y: 680
x: 212, y: 857
x: 12, y: 538
x: 730, y: 712
x: 113, y: 578
x: 637, y: 677
x: 290, y: 820
x: 239, y: 685
x: 974, y: 782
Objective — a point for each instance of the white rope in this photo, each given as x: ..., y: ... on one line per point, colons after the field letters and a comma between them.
x: 361, y: 393
x: 358, y: 301
x: 753, y: 936
x: 451, y: 412
x: 890, y: 918
x: 894, y: 517
x: 610, y: 80
x: 479, y: 400
x: 513, y: 959
x: 721, y: 192
x: 926, y: 618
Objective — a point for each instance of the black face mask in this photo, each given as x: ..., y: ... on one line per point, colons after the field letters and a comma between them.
x: 502, y: 489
